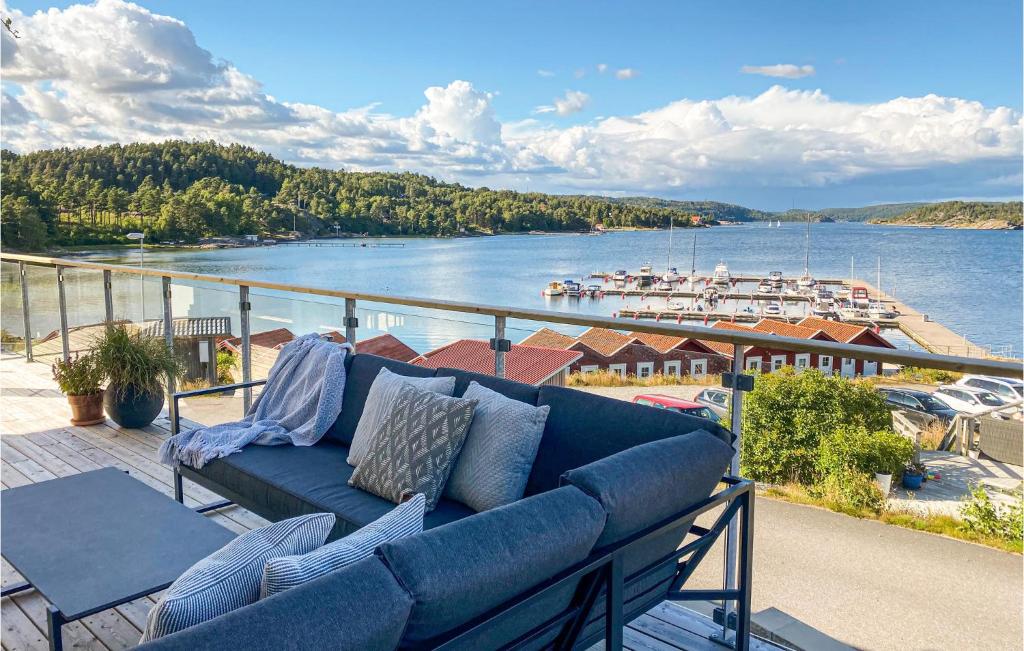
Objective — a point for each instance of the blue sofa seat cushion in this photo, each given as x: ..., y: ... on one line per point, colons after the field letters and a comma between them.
x: 357, y: 608
x: 283, y: 481
x: 362, y: 371
x: 584, y: 427
x: 460, y: 571
x: 509, y: 388
x: 644, y: 485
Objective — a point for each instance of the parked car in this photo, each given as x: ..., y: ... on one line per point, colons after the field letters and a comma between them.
x: 920, y: 407
x: 1008, y: 389
x: 687, y: 407
x: 969, y: 400
x: 717, y: 399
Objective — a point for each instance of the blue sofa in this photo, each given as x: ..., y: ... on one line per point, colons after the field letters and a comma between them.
x: 607, y: 478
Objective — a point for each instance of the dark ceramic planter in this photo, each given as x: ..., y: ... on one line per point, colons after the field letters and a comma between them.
x: 130, y: 408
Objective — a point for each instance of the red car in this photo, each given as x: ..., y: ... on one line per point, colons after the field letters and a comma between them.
x: 688, y: 407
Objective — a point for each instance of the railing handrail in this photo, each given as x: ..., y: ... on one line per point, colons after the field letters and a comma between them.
x: 767, y: 341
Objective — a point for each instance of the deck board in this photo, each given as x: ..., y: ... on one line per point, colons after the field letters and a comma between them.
x: 37, y: 443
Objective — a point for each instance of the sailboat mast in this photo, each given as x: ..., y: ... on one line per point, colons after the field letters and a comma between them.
x: 668, y: 258
x: 807, y: 247
x: 878, y: 279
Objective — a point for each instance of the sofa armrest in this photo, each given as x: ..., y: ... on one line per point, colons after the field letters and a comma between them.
x: 176, y: 397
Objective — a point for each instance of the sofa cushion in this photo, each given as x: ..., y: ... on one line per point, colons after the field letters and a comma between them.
x: 499, y: 451
x: 283, y: 481
x: 509, y: 388
x: 646, y: 484
x: 583, y: 427
x: 356, y: 608
x: 229, y: 578
x: 458, y: 572
x: 361, y: 372
x: 414, y: 449
x: 287, y: 572
x: 380, y: 402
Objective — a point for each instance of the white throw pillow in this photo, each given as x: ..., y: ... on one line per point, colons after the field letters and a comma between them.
x: 230, y: 577
x: 379, y: 402
x: 286, y: 572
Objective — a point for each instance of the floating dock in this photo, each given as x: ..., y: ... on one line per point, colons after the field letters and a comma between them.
x: 351, y: 245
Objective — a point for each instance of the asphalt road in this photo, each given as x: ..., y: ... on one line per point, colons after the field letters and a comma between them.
x: 876, y: 586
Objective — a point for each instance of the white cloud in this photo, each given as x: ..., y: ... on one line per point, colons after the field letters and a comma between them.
x: 602, y: 68
x: 78, y: 82
x: 626, y: 73
x: 545, y: 73
x: 574, y: 101
x: 784, y: 70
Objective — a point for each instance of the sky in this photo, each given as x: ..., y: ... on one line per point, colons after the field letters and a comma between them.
x: 768, y: 104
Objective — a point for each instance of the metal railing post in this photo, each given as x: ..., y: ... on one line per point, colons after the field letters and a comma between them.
x: 731, y: 532
x: 108, y: 296
x: 62, y: 307
x: 25, y: 311
x: 243, y: 309
x: 351, y: 321
x: 169, y: 338
x: 500, y: 346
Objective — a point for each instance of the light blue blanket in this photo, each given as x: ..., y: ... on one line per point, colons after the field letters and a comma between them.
x: 301, y: 400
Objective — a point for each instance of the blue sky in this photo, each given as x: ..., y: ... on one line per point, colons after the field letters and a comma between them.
x: 522, y: 57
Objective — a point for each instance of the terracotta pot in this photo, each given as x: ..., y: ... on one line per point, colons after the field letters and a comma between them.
x: 87, y: 409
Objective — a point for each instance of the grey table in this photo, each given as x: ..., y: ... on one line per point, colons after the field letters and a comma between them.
x: 99, y: 539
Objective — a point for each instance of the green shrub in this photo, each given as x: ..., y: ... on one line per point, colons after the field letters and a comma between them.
x: 78, y: 376
x: 980, y: 515
x: 849, y: 491
x: 788, y: 414
x: 855, y: 448
x: 132, y: 361
x: 225, y: 364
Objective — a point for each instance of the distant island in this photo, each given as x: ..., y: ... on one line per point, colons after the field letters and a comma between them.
x: 960, y: 214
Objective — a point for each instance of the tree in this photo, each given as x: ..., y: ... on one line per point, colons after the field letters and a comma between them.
x: 20, y: 225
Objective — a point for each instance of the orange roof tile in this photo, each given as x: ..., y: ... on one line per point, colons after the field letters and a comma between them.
x: 843, y: 332
x: 548, y: 338
x: 528, y: 364
x: 270, y: 339
x: 784, y: 329
x: 604, y: 341
x: 661, y: 343
x: 386, y: 346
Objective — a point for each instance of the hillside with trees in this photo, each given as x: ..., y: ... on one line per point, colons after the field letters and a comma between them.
x: 862, y: 214
x: 961, y: 214
x: 184, y: 191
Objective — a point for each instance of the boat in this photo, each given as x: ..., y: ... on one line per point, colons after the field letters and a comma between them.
x: 775, y: 278
x: 791, y: 289
x: 594, y: 291
x: 807, y: 281
x: 824, y: 294
x: 693, y: 263
x: 646, y: 276
x: 765, y: 287
x: 554, y: 288
x: 572, y: 288
x: 878, y: 310
x: 859, y: 296
x: 772, y: 309
x: 849, y: 312
x: 619, y: 276
x: 721, y: 275
x: 676, y: 304
x: 670, y: 275
x: 663, y: 285
x: 823, y: 311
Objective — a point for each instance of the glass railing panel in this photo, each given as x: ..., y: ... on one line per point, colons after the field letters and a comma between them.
x: 44, y: 317
x: 12, y: 332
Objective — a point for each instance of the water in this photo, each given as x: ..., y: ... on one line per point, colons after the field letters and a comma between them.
x: 971, y: 281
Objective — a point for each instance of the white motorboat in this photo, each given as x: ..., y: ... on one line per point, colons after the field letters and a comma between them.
x: 848, y: 313
x: 772, y: 309
x: 664, y: 286
x: 721, y: 275
x: 879, y: 310
x: 554, y: 288
x: 646, y: 276
x: 676, y: 304
x: 765, y: 287
x: 594, y: 291
x: 671, y: 276
x: 619, y: 276
x: 823, y: 311
x: 572, y: 288
x: 775, y: 278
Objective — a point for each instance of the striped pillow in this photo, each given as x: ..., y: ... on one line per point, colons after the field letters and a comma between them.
x: 230, y: 577
x: 287, y: 572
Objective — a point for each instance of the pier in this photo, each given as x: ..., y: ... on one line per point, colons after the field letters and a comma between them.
x: 353, y: 245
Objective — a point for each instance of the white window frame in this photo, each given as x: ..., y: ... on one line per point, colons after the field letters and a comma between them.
x: 618, y: 369
x: 825, y: 364
x: 673, y: 367
x: 805, y: 358
x: 590, y: 368
x: 778, y: 361
x: 870, y: 368
x: 753, y: 363
x: 701, y: 363
x: 644, y: 369
x: 848, y: 367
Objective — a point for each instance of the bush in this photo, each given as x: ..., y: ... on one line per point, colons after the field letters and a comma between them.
x: 857, y: 449
x: 225, y: 364
x: 981, y: 516
x: 605, y: 378
x: 78, y: 376
x: 788, y: 414
x: 132, y: 361
x: 849, y: 491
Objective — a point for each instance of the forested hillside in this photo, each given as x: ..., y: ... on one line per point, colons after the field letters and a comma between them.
x: 188, y: 190
x: 962, y: 214
x: 715, y: 210
x: 865, y: 213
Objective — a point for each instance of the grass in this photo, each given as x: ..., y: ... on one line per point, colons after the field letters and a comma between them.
x: 943, y: 525
x: 605, y: 378
x: 932, y: 435
x: 912, y: 375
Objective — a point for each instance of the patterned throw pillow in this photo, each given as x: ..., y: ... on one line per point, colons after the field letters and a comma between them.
x: 230, y: 577
x: 385, y: 388
x: 502, y: 443
x: 286, y: 572
x: 414, y: 448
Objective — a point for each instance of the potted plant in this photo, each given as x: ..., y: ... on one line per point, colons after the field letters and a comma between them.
x: 136, y: 368
x: 79, y: 378
x: 913, y: 476
x: 884, y: 482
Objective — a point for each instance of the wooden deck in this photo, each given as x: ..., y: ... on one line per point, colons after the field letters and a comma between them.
x: 37, y: 443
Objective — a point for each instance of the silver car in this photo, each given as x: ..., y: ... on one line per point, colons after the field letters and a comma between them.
x: 717, y: 399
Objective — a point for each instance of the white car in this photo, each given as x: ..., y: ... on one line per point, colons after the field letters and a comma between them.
x: 1008, y: 389
x: 968, y: 400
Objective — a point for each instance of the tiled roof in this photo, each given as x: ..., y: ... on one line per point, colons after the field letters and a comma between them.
x: 386, y: 346
x: 661, y: 343
x: 528, y: 364
x: 784, y: 329
x: 268, y: 339
x: 210, y: 326
x: 721, y: 347
x: 604, y: 341
x: 548, y: 338
x: 843, y: 332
